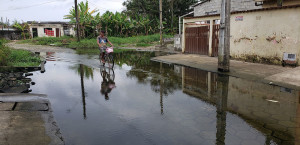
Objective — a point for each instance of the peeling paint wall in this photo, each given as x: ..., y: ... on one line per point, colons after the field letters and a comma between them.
x: 261, y: 36
x: 266, y: 34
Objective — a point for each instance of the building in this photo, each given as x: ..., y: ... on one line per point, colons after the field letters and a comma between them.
x: 51, y: 29
x: 10, y: 33
x: 261, y: 30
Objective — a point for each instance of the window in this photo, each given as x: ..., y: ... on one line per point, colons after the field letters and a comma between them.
x: 47, y: 29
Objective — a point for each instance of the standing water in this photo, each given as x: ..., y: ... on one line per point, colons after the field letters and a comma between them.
x: 144, y: 102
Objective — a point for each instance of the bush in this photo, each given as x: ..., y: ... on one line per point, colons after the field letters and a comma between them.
x: 4, y: 52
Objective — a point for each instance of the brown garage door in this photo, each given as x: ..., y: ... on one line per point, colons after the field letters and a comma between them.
x: 197, y: 40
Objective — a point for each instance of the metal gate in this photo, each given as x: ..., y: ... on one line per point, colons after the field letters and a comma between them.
x: 197, y: 40
x: 215, y: 40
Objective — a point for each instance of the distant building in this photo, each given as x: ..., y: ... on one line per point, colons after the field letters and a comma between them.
x: 10, y: 33
x: 51, y: 29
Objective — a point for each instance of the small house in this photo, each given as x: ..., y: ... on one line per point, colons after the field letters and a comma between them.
x: 51, y: 29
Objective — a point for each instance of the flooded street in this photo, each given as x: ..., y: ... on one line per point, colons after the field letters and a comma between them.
x: 145, y: 102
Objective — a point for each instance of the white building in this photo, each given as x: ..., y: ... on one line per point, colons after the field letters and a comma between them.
x: 51, y: 29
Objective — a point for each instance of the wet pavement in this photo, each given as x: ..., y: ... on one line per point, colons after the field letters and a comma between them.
x: 146, y: 102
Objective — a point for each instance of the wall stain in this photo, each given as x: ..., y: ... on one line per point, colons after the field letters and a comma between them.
x: 258, y: 59
x: 245, y: 38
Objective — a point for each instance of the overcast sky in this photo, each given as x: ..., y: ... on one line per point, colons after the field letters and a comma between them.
x: 50, y: 10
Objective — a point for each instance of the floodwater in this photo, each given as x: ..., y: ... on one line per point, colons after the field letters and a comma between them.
x: 144, y: 102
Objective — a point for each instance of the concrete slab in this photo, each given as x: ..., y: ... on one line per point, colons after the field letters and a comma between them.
x: 6, y: 106
x: 22, y: 97
x: 291, y: 77
x: 252, y: 71
x: 27, y: 119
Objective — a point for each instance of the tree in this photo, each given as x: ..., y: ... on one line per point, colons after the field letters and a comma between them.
x: 172, y: 9
x: 85, y: 18
x: 21, y: 27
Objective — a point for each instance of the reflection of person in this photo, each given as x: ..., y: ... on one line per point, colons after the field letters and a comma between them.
x: 102, y: 40
x: 107, y: 84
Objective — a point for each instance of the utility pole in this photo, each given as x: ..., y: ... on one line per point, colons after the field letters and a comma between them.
x: 77, y: 27
x: 161, y: 25
x: 224, y: 43
x: 172, y: 17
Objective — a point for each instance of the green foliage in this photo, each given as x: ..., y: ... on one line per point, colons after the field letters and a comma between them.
x: 12, y: 57
x: 140, y: 41
x: 172, y: 9
x: 22, y: 58
x: 143, y: 44
x: 141, y: 17
x: 4, y: 52
x: 23, y: 27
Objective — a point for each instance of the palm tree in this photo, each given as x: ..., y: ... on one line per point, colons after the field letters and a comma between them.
x: 85, y: 17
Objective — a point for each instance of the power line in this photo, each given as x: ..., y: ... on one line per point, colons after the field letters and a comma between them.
x: 31, y: 6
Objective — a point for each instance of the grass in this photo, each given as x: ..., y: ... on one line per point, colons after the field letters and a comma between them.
x: 70, y: 42
x: 17, y: 58
x: 22, y: 58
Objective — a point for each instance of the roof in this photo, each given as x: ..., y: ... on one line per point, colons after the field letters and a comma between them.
x: 199, y: 3
x: 47, y: 22
x: 246, y: 11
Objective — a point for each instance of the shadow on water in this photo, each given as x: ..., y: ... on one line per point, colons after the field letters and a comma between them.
x: 158, y: 103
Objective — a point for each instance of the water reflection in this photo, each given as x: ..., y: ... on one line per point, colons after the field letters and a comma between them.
x: 82, y: 72
x: 108, y: 81
x: 157, y: 103
x: 249, y: 100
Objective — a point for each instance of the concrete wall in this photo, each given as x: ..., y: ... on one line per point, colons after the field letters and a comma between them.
x: 261, y: 35
x: 266, y: 34
x: 214, y: 7
x: 11, y: 35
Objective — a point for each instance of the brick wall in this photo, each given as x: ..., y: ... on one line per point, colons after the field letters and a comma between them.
x: 214, y: 7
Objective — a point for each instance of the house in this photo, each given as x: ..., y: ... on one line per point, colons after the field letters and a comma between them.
x: 51, y: 29
x: 261, y: 30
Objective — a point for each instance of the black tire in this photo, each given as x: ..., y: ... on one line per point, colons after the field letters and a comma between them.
x: 109, y: 60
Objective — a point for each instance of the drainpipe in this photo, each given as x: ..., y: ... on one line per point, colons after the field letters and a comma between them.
x: 180, y: 23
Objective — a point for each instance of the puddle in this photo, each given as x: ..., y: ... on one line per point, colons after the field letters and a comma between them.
x: 145, y: 102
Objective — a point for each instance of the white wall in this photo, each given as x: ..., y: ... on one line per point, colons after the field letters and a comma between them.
x: 266, y: 34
